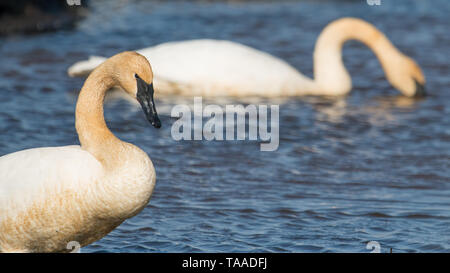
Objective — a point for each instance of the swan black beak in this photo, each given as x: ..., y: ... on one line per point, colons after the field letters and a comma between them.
x: 145, y: 97
x: 420, y: 90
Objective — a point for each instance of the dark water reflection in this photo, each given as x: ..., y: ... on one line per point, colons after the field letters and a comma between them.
x: 371, y: 166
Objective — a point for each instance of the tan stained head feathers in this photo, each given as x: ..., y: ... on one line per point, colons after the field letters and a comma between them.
x: 126, y: 66
x: 405, y: 75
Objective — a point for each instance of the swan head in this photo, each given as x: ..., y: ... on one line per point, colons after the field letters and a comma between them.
x: 134, y: 74
x: 406, y: 76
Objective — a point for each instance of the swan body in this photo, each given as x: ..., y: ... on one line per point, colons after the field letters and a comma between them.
x: 225, y: 68
x: 55, y: 195
x: 198, y: 67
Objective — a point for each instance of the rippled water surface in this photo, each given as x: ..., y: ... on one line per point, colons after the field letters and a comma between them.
x: 370, y: 166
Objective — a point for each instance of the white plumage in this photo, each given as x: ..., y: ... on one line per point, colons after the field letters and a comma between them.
x: 225, y: 68
x: 25, y: 174
x: 52, y: 196
x: 203, y: 67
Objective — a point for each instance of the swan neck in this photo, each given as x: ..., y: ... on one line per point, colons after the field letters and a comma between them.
x: 329, y: 70
x: 93, y: 133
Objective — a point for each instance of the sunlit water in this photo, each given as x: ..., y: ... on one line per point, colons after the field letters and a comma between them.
x: 373, y: 166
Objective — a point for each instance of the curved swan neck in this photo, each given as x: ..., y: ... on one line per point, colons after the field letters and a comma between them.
x: 93, y: 133
x: 329, y: 71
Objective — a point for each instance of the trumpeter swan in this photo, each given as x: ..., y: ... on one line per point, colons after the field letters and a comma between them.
x: 224, y: 68
x: 55, y: 195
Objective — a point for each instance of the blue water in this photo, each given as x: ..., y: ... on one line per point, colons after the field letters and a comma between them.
x: 373, y: 166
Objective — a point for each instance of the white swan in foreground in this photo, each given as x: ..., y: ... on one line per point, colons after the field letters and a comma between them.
x: 55, y: 195
x: 223, y: 68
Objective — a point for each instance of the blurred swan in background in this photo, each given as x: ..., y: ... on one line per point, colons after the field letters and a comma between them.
x: 55, y: 195
x: 224, y: 68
